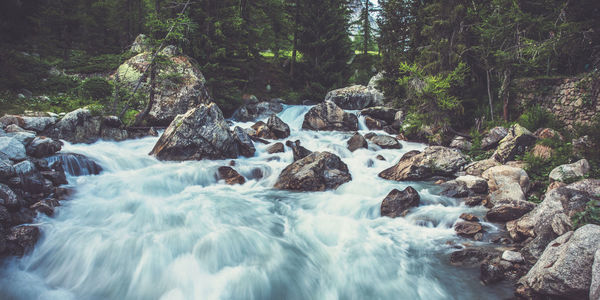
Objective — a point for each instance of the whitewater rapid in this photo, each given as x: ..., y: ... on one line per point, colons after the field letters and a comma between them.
x: 145, y: 229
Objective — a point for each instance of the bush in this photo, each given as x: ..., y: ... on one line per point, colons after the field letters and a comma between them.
x: 591, y: 215
x: 537, y: 117
x: 96, y: 88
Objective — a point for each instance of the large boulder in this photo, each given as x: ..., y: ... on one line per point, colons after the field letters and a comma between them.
x: 201, y: 133
x: 476, y: 184
x: 493, y: 137
x: 141, y: 44
x: 595, y: 285
x: 37, y: 124
x: 433, y: 161
x: 572, y: 171
x: 254, y: 111
x: 461, y: 143
x: 355, y: 97
x: 319, y: 171
x: 514, y: 143
x: 244, y: 142
x: 509, y: 210
x: 564, y: 270
x: 357, y: 141
x: 179, y: 85
x: 21, y: 239
x: 298, y: 151
x: 31, y: 180
x: 397, y: 202
x: 42, y: 146
x: 329, y: 116
x: 12, y: 149
x: 506, y: 184
x: 274, y: 129
x: 381, y: 113
x: 81, y: 126
x: 385, y: 142
x: 75, y: 164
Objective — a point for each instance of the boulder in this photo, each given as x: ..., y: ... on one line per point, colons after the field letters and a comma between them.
x: 374, y: 124
x: 595, y: 284
x: 506, y: 184
x: 477, y: 168
x: 80, y: 126
x: 328, y: 116
x: 355, y: 97
x: 476, y: 184
x: 509, y: 210
x: 455, y: 189
x: 201, y: 133
x: 493, y: 137
x: 433, y: 161
x: 386, y: 142
x: 357, y: 141
x: 276, y: 148
x: 469, y: 217
x: 386, y: 114
x: 179, y: 85
x: 141, y: 44
x: 319, y: 171
x: 512, y: 256
x: 397, y: 203
x: 467, y: 228
x: 8, y: 198
x: 253, y: 111
x: 21, y: 239
x: 473, y: 256
x: 564, y: 269
x: 572, y: 171
x: 279, y: 129
x: 231, y: 176
x: 514, y: 143
x: 12, y: 149
x: 6, y: 169
x: 30, y: 178
x: 244, y: 142
x: 75, y: 164
x: 298, y: 151
x: 42, y: 146
x: 37, y: 124
x: 461, y: 143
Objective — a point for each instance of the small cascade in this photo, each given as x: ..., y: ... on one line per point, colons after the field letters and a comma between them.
x: 76, y: 164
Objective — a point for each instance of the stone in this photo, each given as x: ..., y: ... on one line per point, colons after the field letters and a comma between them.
x: 473, y: 200
x: 493, y: 137
x: 201, y: 133
x: 319, y: 171
x: 12, y: 149
x: 42, y: 146
x: 397, y: 203
x: 179, y: 87
x: 473, y: 256
x: 455, y: 189
x: 469, y: 217
x: 44, y: 207
x: 570, y: 172
x: 24, y: 137
x: 30, y: 178
x: 477, y: 168
x: 461, y: 143
x: 141, y: 44
x: 327, y: 116
x: 512, y: 256
x: 582, y: 145
x: 76, y: 164
x: 231, y: 176
x: 564, y: 269
x: 244, y: 142
x: 386, y: 142
x: 514, y: 143
x: 386, y: 114
x: 476, y: 184
x: 8, y: 197
x: 34, y: 123
x: 595, y: 284
x: 279, y: 129
x: 509, y: 210
x: 357, y: 141
x: 506, y: 184
x: 276, y: 148
x: 380, y: 157
x: 21, y: 239
x: 433, y: 161
x: 374, y: 81
x: 254, y: 111
x: 78, y: 126
x: 298, y: 151
x: 467, y: 229
x: 355, y: 97
x: 490, y: 273
x: 374, y: 124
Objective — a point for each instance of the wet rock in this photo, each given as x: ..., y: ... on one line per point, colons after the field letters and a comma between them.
x: 76, y: 164
x: 245, y: 144
x: 374, y: 124
x: 565, y: 267
x: 319, y: 171
x: 461, y: 143
x: 24, y: 137
x: 21, y: 239
x: 276, y: 148
x: 12, y: 149
x: 55, y: 173
x: 355, y: 97
x: 490, y: 273
x: 386, y: 142
x: 572, y: 171
x: 397, y: 203
x: 477, y: 168
x: 279, y: 129
x: 514, y: 143
x: 8, y: 197
x: 298, y: 151
x: 433, y: 161
x: 493, y: 137
x: 467, y: 229
x: 231, y: 176
x: 201, y: 133
x: 474, y: 200
x: 253, y: 111
x: 31, y: 179
x: 509, y: 210
x: 512, y: 256
x: 329, y: 117
x: 382, y: 113
x: 506, y: 184
x: 473, y: 256
x: 469, y: 217
x: 455, y: 189
x: 44, y: 207
x: 380, y: 157
x: 357, y: 141
x: 42, y: 146
x: 4, y: 217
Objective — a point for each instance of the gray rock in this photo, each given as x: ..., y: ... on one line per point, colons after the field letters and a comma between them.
x: 279, y: 129
x: 397, y: 203
x: 254, y: 111
x: 355, y: 97
x: 476, y: 184
x: 329, y: 117
x: 572, y: 171
x: 381, y: 113
x: 477, y: 168
x: 201, y: 133
x: 514, y: 143
x: 298, y: 151
x: 37, y: 124
x: 461, y: 143
x: 42, y: 146
x: 78, y: 126
x: 8, y: 198
x: 512, y: 256
x: 31, y: 179
x: 509, y: 210
x: 433, y: 161
x: 276, y: 148
x: 24, y: 137
x: 244, y: 142
x: 21, y: 239
x: 386, y: 142
x: 12, y: 149
x: 6, y: 169
x: 565, y: 267
x: 595, y: 284
x: 319, y: 171
x: 493, y: 137
x: 506, y: 184
x: 357, y: 141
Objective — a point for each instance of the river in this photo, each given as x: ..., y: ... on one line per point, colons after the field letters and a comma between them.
x: 145, y: 229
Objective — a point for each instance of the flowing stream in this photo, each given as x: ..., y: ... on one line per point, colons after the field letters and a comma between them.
x: 145, y: 229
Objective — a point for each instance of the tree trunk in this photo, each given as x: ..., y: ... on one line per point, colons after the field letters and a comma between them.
x: 295, y: 42
x: 140, y: 117
x: 505, y: 94
x: 489, y: 91
x: 366, y: 28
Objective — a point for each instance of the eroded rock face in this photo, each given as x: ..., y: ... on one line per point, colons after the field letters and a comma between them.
x: 201, y: 133
x: 355, y: 97
x: 572, y: 171
x: 357, y: 141
x: 565, y: 267
x: 493, y: 137
x: 328, y: 116
x: 397, y: 203
x: 514, y: 143
x: 319, y: 171
x: 433, y: 161
x: 179, y: 85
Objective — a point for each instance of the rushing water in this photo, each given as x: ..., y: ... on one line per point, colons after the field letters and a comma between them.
x: 144, y: 229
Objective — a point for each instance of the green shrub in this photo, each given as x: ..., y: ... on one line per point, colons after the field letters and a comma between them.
x: 591, y: 215
x: 96, y: 88
x: 537, y: 117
